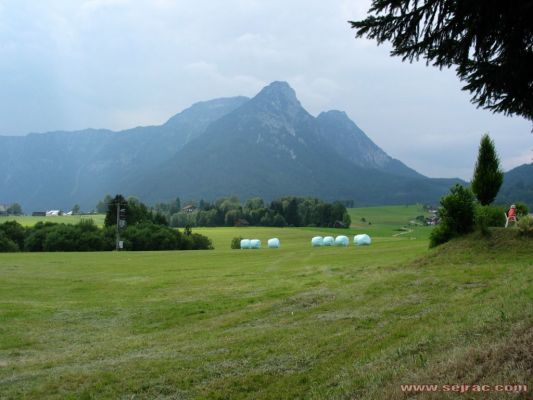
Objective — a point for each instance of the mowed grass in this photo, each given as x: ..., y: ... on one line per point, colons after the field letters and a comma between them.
x: 389, y: 220
x: 294, y: 322
x: 28, y: 220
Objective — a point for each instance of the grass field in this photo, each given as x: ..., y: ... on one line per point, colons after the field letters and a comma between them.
x: 28, y: 220
x: 295, y: 322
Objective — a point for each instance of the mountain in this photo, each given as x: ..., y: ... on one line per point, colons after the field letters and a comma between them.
x: 267, y: 146
x: 271, y: 146
x: 517, y: 186
x: 351, y: 143
x: 59, y: 169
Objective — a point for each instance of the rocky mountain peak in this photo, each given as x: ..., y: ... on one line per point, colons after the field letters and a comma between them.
x: 278, y: 97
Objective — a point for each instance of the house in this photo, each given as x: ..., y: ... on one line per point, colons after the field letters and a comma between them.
x: 38, y: 214
x: 189, y: 208
x: 242, y: 222
x: 3, y: 209
x: 433, y: 220
x: 54, y: 213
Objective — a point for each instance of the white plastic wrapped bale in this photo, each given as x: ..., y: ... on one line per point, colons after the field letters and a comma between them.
x: 246, y: 244
x: 342, y: 241
x: 329, y: 241
x: 317, y: 241
x: 362, y: 240
x: 273, y: 243
x: 255, y: 244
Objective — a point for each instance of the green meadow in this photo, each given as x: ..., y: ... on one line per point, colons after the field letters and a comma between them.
x: 28, y: 220
x: 289, y: 323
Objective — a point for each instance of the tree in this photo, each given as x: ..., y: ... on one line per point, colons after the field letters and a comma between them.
x: 76, y: 209
x: 14, y: 209
x: 488, y: 177
x: 457, y: 213
x: 101, y: 207
x: 175, y: 206
x: 291, y: 213
x: 490, y: 43
x: 111, y: 214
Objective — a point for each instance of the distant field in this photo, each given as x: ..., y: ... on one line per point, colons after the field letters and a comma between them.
x: 384, y: 221
x: 386, y: 215
x: 63, y: 219
x: 294, y: 322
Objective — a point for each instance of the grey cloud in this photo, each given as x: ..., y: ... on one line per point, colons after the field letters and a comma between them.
x: 120, y: 63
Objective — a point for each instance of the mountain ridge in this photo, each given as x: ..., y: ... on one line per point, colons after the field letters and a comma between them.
x: 266, y: 146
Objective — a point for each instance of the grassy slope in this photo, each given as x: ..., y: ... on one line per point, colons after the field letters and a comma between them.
x: 289, y: 323
x: 63, y: 219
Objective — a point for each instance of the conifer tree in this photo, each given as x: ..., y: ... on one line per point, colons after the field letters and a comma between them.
x: 488, y: 177
x: 489, y: 43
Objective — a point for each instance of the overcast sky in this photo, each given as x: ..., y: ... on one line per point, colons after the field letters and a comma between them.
x: 74, y: 64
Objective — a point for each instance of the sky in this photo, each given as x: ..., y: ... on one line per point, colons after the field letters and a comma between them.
x: 116, y: 64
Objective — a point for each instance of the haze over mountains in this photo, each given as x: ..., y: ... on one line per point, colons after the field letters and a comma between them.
x: 267, y: 146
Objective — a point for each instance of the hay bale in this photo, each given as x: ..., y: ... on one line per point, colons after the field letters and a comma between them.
x: 362, y: 240
x: 255, y: 244
x: 317, y: 241
x: 342, y: 241
x: 329, y: 241
x: 273, y: 243
x: 246, y: 244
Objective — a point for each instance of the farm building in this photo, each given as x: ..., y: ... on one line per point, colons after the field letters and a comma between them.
x: 54, y: 213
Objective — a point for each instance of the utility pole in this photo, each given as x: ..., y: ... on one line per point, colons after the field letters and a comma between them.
x: 118, y: 227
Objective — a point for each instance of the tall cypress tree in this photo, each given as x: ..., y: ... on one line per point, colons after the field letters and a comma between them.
x: 488, y: 177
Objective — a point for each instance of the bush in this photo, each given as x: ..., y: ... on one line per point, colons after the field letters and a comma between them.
x: 236, y: 243
x: 521, y: 209
x: 14, y: 232
x: 440, y: 234
x: 7, y: 245
x: 148, y: 236
x: 61, y: 238
x: 195, y: 241
x: 525, y: 226
x: 86, y: 236
x: 457, y: 216
x: 37, y: 235
x: 489, y: 216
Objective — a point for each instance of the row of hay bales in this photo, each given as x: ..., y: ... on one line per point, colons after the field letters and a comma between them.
x: 247, y: 244
x: 341, y: 241
x: 317, y: 241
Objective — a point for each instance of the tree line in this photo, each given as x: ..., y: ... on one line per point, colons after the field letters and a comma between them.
x: 229, y: 211
x: 142, y: 230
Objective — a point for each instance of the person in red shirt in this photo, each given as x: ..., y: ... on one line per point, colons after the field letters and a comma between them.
x: 511, y: 215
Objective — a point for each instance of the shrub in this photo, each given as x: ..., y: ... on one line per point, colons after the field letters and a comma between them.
x: 37, y: 235
x: 457, y: 216
x: 521, y: 209
x: 7, y: 245
x: 525, y: 226
x: 440, y: 234
x: 148, y: 236
x: 61, y: 238
x: 86, y: 236
x: 14, y: 232
x: 199, y: 242
x: 236, y: 242
x: 489, y: 216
